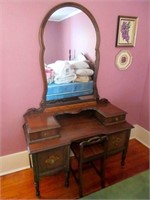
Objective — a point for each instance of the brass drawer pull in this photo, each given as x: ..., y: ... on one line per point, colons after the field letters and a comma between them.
x: 117, y: 119
x: 45, y: 134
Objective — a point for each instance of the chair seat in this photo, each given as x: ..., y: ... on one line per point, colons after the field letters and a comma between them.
x: 88, y: 151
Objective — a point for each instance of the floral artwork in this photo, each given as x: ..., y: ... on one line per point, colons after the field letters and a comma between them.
x: 126, y: 31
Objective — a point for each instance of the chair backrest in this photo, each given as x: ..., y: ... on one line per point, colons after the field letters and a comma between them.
x: 94, y: 141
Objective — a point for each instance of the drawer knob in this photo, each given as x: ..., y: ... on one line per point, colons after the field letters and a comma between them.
x: 116, y: 118
x: 44, y: 134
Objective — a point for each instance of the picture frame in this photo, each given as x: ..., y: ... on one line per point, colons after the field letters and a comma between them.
x: 123, y: 59
x: 126, y: 31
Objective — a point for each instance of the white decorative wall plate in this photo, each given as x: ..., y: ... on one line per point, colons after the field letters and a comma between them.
x: 123, y: 59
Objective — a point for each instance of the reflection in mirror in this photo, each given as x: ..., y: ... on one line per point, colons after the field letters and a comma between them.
x: 74, y: 32
x: 70, y: 55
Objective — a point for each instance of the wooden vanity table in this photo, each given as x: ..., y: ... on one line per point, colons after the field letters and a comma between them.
x: 50, y: 129
x: 50, y: 133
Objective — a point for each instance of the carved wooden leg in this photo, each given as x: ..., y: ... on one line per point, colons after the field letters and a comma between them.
x: 36, y: 183
x: 123, y: 157
x: 36, y: 176
x: 67, y: 173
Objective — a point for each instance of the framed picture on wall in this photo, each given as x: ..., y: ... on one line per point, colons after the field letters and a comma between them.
x: 123, y: 59
x: 126, y: 31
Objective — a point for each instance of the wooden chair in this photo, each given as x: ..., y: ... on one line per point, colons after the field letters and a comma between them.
x: 87, y: 151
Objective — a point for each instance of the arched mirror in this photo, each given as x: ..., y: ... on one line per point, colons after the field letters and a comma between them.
x: 69, y: 55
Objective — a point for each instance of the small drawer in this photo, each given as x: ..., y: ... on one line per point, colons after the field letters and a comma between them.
x: 114, y: 120
x: 107, y: 121
x: 41, y: 135
x: 52, y: 160
x: 41, y: 126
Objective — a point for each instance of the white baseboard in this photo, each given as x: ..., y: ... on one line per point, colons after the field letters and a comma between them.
x: 19, y: 161
x: 14, y: 162
x: 141, y: 134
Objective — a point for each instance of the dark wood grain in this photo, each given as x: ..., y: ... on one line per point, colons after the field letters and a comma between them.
x: 20, y: 185
x: 74, y: 123
x: 74, y: 127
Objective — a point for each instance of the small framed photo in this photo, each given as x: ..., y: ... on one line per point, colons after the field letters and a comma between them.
x: 126, y: 31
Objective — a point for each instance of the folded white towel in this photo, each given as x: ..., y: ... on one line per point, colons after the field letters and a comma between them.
x: 61, y: 68
x: 65, y: 79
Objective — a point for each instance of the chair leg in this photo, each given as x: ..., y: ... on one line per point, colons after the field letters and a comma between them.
x: 103, y: 164
x: 80, y: 180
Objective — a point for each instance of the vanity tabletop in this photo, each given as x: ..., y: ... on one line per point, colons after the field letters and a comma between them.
x: 75, y: 127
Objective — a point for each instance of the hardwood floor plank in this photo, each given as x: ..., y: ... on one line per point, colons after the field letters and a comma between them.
x: 20, y: 185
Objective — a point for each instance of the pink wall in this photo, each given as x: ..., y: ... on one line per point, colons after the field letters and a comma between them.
x: 21, y: 81
x: 52, y: 42
x: 79, y: 36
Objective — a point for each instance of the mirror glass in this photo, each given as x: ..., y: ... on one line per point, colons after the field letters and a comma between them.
x: 66, y: 36
x: 69, y: 54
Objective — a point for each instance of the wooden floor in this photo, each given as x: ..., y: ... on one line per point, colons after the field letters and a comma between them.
x: 20, y: 185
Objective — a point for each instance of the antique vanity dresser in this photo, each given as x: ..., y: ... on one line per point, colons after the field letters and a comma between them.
x: 77, y: 114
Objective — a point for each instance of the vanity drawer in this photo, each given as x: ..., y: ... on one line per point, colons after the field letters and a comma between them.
x: 40, y: 127
x: 34, y: 137
x: 118, y: 141
x: 51, y: 161
x: 108, y: 114
x: 110, y: 120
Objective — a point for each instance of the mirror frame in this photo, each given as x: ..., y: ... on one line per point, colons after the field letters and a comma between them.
x: 45, y: 103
